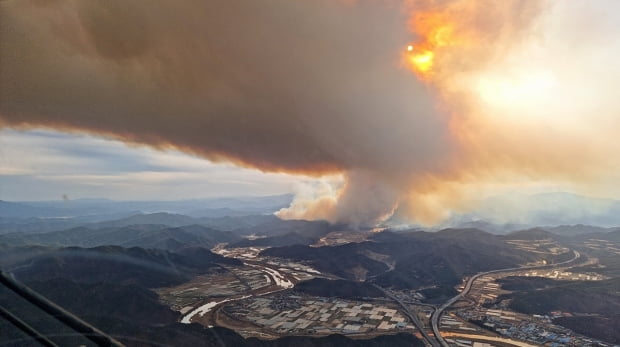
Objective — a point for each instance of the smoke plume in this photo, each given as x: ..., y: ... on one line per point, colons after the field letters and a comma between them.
x: 321, y: 87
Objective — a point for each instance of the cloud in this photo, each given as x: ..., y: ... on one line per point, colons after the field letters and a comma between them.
x: 541, y: 107
x: 39, y: 165
x: 308, y: 87
x: 274, y: 86
x: 324, y: 87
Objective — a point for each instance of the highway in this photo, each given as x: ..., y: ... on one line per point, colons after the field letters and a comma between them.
x: 436, y: 317
x: 412, y: 316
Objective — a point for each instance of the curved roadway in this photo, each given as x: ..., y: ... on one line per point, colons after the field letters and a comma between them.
x: 412, y: 316
x: 437, y: 314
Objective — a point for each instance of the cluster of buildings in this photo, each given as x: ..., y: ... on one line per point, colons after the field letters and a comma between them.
x: 491, y: 314
x: 536, y: 328
x: 316, y: 315
x: 543, y: 333
x: 564, y: 275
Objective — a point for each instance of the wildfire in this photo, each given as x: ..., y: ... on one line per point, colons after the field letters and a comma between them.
x: 436, y: 31
x: 421, y: 62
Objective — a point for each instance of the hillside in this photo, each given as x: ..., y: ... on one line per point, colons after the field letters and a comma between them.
x: 23, y: 210
x: 595, y: 304
x: 160, y: 218
x: 345, y: 261
x: 135, y: 316
x: 578, y: 229
x: 443, y: 258
x: 145, y: 236
x: 611, y: 236
x: 237, y: 223
x: 112, y: 264
x: 108, y: 287
x: 591, y: 297
x: 604, y: 328
x: 531, y: 235
x: 419, y: 258
x: 516, y: 283
x: 279, y: 227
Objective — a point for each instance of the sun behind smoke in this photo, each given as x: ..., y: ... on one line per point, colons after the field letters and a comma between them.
x: 435, y: 31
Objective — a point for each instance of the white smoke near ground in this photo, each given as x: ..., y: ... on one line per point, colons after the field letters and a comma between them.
x: 359, y: 199
x: 317, y: 198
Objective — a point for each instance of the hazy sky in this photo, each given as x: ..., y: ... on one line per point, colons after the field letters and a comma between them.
x: 45, y: 165
x: 417, y: 106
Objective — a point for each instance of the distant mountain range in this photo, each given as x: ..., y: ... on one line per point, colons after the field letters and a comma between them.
x: 505, y: 213
x: 499, y: 215
x: 214, y: 207
x: 174, y: 231
x: 141, y: 235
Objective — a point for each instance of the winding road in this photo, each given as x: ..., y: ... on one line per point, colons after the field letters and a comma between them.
x: 435, y: 318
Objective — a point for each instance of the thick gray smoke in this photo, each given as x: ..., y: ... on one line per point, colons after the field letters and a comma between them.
x: 299, y: 86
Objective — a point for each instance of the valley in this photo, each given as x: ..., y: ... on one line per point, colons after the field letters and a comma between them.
x: 256, y: 280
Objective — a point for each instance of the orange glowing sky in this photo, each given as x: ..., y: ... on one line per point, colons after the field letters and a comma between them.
x: 526, y: 105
